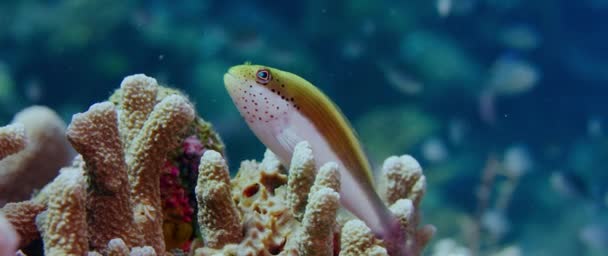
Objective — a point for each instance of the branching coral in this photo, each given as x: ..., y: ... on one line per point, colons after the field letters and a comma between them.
x: 218, y: 217
x: 46, y: 152
x: 270, y: 220
x: 64, y: 226
x: 22, y: 216
x: 95, y: 136
x: 12, y: 139
x: 147, y: 139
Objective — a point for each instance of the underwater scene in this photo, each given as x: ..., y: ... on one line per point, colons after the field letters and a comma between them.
x: 266, y: 127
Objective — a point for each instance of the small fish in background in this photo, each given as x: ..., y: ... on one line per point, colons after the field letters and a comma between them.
x: 33, y: 90
x: 594, y: 236
x: 570, y: 185
x: 447, y: 8
x: 517, y: 160
x: 594, y: 127
x: 352, y: 49
x: 399, y: 80
x: 520, y: 37
x: 457, y: 129
x: 443, y: 7
x: 510, y: 75
x: 495, y: 222
x: 434, y: 150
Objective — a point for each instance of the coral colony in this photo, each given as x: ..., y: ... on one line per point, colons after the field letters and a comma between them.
x: 150, y: 179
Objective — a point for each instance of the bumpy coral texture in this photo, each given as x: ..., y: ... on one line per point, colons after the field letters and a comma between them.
x: 145, y: 158
x: 47, y: 150
x: 266, y: 201
x: 64, y: 224
x: 12, y: 139
x: 95, y: 136
x: 270, y: 213
x: 22, y: 216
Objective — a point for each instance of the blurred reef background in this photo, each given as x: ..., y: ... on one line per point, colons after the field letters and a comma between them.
x: 502, y: 101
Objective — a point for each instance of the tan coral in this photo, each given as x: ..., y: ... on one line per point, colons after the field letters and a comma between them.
x: 316, y: 236
x: 402, y: 178
x: 64, y: 225
x: 22, y: 216
x: 301, y: 178
x: 94, y: 134
x: 145, y: 158
x: 357, y: 239
x: 46, y: 152
x: 271, y: 227
x: 218, y: 217
x: 138, y: 99
x: 12, y: 139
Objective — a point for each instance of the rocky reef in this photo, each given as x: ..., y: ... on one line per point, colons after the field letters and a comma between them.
x: 150, y: 178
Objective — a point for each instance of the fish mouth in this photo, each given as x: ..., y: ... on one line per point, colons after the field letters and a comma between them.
x: 230, y: 80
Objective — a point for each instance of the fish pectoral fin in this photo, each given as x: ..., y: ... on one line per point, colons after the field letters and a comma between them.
x: 288, y: 139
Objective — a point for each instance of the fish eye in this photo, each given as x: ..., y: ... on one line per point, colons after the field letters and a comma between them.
x: 263, y: 76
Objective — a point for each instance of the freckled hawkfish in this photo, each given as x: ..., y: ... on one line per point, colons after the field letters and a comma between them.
x: 283, y: 109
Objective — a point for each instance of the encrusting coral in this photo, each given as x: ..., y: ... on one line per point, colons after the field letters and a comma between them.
x: 147, y: 165
x: 31, y: 168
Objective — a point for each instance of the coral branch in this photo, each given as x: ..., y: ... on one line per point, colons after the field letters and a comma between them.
x: 316, y: 237
x: 358, y: 239
x: 94, y: 134
x: 22, y: 216
x: 218, y: 216
x: 145, y: 159
x: 328, y: 176
x: 138, y: 100
x: 64, y: 226
x: 403, y: 179
x: 301, y: 178
x: 46, y: 152
x: 12, y: 139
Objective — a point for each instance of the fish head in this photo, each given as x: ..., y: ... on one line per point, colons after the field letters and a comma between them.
x: 261, y: 94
